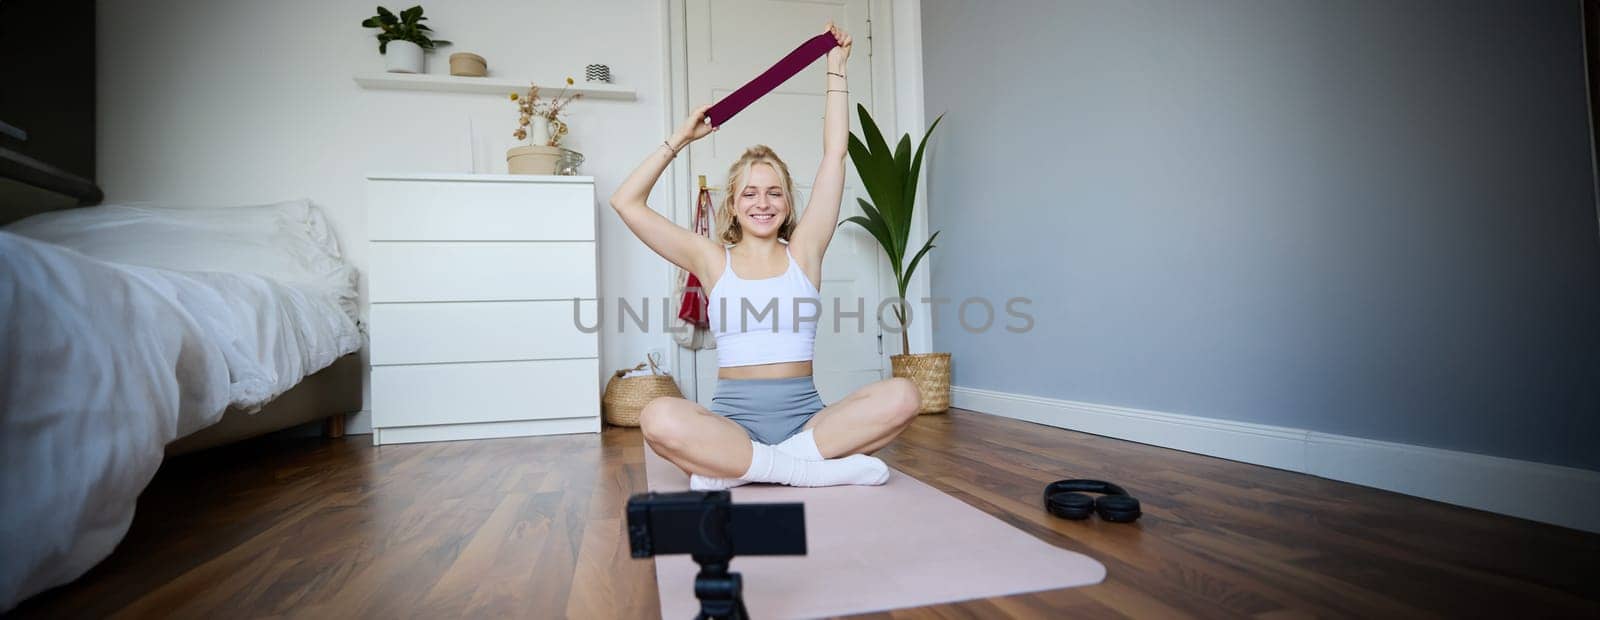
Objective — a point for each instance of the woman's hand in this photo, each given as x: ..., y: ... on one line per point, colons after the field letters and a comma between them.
x: 693, y: 128
x: 841, y: 52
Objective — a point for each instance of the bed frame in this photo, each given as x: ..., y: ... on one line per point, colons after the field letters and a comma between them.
x: 29, y: 186
x: 328, y: 395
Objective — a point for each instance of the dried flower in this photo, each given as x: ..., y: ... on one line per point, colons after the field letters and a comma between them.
x: 551, y: 110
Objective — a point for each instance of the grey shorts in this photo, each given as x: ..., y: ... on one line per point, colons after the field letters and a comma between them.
x: 770, y: 410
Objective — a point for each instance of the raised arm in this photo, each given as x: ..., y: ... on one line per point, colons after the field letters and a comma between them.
x: 815, y: 228
x: 675, y: 243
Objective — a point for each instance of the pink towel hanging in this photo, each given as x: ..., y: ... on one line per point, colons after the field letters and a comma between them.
x: 696, y: 307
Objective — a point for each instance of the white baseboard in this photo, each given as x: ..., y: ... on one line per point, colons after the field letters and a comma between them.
x: 485, y: 430
x: 1553, y: 494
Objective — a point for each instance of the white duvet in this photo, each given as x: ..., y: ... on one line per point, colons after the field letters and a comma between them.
x: 102, y: 364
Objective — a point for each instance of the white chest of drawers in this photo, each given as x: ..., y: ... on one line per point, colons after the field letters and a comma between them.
x: 472, y: 281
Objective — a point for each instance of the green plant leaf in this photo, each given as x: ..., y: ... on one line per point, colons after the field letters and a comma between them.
x: 387, y: 17
x: 873, y: 177
x: 888, y: 197
x: 877, y: 172
x: 873, y: 228
x: 383, y: 46
x: 909, y: 192
x: 874, y: 136
x: 371, y: 22
x: 858, y: 150
x: 878, y: 152
x: 440, y: 42
x: 901, y: 162
x: 896, y: 251
x: 902, y: 153
x: 905, y: 279
x: 890, y: 178
x: 410, y: 15
x: 424, y: 27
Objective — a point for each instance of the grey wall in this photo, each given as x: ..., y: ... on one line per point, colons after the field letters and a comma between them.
x: 1359, y: 217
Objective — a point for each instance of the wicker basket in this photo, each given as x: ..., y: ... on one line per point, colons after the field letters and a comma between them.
x: 625, y: 397
x: 931, y: 373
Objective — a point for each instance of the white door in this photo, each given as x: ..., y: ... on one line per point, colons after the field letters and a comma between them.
x: 728, y: 43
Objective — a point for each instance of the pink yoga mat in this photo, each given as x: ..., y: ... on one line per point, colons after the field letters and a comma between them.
x: 903, y: 544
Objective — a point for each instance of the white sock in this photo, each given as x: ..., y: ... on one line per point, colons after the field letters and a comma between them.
x: 802, y: 446
x: 767, y: 464
x: 698, y: 482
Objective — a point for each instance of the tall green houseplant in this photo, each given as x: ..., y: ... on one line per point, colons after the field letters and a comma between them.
x: 891, y: 180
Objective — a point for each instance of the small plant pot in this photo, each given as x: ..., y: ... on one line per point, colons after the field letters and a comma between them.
x: 931, y: 373
x: 533, y: 159
x: 403, y: 57
x: 468, y: 64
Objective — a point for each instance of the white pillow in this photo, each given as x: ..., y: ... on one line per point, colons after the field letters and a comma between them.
x: 287, y: 241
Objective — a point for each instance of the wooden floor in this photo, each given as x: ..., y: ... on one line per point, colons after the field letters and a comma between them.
x: 533, y: 528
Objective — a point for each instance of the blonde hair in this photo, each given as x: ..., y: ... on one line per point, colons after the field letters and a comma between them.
x: 727, y: 221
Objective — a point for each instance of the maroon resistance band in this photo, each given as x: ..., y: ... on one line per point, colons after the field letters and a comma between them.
x: 796, y: 61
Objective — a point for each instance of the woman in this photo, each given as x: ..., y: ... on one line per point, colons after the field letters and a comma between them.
x: 766, y: 422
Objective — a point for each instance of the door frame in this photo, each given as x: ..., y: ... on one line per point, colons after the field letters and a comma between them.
x: 896, y: 34
x: 1590, y: 11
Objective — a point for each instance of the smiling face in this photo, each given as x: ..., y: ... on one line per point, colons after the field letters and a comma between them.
x: 762, y: 205
x: 758, y: 199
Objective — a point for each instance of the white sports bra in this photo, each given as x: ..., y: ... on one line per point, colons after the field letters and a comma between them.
x: 755, y: 321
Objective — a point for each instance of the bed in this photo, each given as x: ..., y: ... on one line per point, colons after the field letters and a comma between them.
x: 130, y: 332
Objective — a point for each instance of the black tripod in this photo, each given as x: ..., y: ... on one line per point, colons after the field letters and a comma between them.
x: 721, y: 593
x: 710, y: 528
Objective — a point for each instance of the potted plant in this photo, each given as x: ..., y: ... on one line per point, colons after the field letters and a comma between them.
x: 890, y: 178
x: 402, y: 39
x: 539, y: 122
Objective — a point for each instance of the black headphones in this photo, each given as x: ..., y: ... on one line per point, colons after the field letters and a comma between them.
x: 1066, y: 499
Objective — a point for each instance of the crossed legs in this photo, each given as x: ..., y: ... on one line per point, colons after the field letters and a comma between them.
x: 701, y: 442
x: 866, y: 420
x: 695, y: 439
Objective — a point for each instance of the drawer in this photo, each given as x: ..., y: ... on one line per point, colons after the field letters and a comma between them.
x: 484, y: 392
x: 485, y: 271
x: 423, y: 333
x: 488, y: 210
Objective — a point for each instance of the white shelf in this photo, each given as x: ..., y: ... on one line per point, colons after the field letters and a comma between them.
x: 487, y: 85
